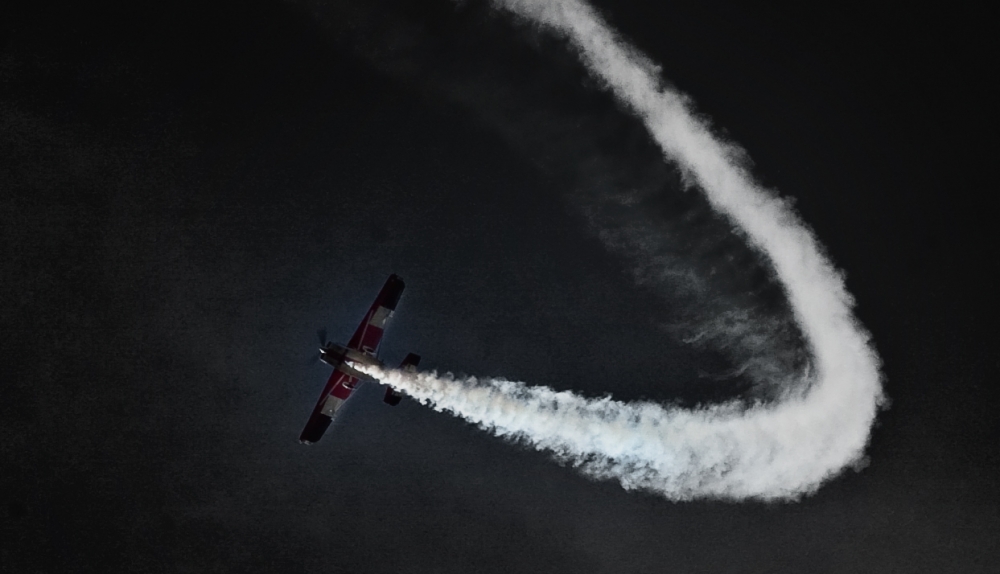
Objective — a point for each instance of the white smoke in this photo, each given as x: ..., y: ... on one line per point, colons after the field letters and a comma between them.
x: 777, y: 451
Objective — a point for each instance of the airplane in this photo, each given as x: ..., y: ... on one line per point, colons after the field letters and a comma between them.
x: 361, y: 349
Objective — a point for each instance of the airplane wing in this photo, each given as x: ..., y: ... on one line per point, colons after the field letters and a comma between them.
x: 338, y: 388
x: 369, y: 333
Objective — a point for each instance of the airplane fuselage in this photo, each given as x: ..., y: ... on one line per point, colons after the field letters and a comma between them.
x: 334, y: 354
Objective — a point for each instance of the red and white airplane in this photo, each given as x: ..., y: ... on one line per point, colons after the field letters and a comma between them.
x: 362, y: 348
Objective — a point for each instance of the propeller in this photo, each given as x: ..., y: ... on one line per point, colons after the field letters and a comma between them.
x: 314, y: 358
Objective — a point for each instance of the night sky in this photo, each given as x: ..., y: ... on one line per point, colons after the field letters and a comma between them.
x: 188, y: 191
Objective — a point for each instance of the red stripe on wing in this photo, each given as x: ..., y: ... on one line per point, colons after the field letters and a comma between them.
x: 368, y: 336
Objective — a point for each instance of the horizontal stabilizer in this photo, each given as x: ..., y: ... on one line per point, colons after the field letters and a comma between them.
x: 391, y: 397
x: 409, y: 364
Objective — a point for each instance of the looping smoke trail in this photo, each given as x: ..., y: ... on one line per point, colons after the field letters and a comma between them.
x: 778, y: 451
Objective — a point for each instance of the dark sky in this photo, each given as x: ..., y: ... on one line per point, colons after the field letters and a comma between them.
x: 188, y: 191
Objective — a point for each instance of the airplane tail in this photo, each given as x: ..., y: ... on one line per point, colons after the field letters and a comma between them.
x: 409, y: 364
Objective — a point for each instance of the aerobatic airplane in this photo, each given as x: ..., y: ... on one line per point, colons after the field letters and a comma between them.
x: 363, y: 349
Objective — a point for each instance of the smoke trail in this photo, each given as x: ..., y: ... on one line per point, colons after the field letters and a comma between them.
x: 774, y: 451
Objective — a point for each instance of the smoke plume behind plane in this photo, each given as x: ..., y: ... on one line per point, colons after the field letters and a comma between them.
x: 776, y: 450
